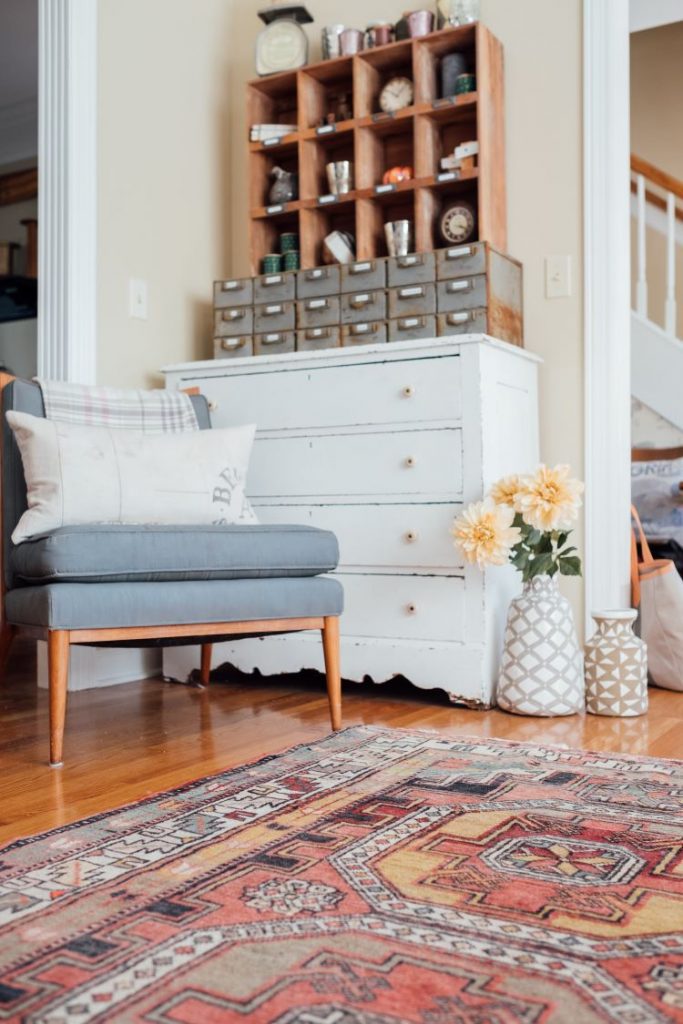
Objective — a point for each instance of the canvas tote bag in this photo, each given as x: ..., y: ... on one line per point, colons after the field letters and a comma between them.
x: 657, y: 589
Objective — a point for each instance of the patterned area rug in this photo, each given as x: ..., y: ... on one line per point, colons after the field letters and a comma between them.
x: 375, y: 877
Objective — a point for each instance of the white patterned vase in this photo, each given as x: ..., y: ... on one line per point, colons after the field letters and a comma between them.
x: 616, y: 667
x: 542, y: 668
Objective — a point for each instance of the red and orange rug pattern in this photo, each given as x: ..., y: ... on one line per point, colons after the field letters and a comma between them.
x: 377, y: 876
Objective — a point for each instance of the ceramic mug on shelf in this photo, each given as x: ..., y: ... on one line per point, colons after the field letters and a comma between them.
x: 378, y: 33
x: 351, y: 41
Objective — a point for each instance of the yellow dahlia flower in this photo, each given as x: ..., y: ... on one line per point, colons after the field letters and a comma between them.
x: 485, y: 534
x: 549, y: 500
x: 505, y: 491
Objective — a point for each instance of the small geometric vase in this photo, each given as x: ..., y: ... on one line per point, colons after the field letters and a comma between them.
x: 542, y: 667
x: 616, y: 667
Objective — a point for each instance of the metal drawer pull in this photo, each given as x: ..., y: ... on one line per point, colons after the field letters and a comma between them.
x: 411, y: 609
x: 315, y: 275
x: 316, y: 333
x: 232, y: 286
x: 271, y: 280
x: 212, y: 404
x: 458, y: 318
x: 361, y: 328
x: 408, y: 391
x: 272, y: 339
x: 360, y: 268
x: 273, y: 310
x: 360, y: 300
x: 411, y: 536
x: 234, y: 314
x: 317, y: 304
x: 406, y: 323
x: 410, y: 462
x: 410, y: 261
x: 465, y: 285
x: 229, y: 345
x: 457, y: 254
x: 411, y: 293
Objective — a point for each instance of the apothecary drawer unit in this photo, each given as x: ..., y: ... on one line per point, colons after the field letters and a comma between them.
x: 383, y: 443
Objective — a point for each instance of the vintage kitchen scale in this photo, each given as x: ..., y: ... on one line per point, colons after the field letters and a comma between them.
x: 282, y: 45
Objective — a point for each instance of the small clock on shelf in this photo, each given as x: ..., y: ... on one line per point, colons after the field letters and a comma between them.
x: 396, y: 95
x: 282, y: 45
x: 457, y: 222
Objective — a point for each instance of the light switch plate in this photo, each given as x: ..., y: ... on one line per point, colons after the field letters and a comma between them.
x: 137, y: 298
x: 558, y: 277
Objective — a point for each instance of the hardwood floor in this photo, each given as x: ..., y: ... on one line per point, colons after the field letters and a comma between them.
x: 125, y: 742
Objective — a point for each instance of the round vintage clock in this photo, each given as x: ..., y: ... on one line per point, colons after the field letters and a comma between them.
x: 282, y: 45
x: 457, y: 222
x: 396, y: 94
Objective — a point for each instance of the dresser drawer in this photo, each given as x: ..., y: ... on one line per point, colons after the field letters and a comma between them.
x: 400, y: 391
x: 410, y: 536
x: 235, y: 322
x: 404, y: 463
x: 404, y: 607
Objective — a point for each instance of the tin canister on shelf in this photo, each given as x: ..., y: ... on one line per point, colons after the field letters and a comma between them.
x: 465, y: 83
x: 291, y: 260
x: 289, y: 242
x: 271, y: 263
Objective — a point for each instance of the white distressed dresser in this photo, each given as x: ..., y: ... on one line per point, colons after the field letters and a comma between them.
x: 383, y: 444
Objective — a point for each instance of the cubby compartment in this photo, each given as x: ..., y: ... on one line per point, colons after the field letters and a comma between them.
x: 317, y: 223
x: 381, y: 147
x: 261, y: 177
x: 429, y: 53
x: 326, y: 95
x: 438, y: 132
x: 316, y: 154
x: 374, y: 68
x: 431, y: 202
x: 374, y: 213
x: 265, y: 235
x: 274, y: 100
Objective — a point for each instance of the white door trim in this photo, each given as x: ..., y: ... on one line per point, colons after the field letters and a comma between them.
x: 67, y: 189
x: 607, y: 302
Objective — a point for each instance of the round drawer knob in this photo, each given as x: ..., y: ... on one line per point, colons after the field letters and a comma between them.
x: 408, y: 391
x: 411, y: 609
x: 410, y: 462
x: 213, y: 405
x: 411, y: 536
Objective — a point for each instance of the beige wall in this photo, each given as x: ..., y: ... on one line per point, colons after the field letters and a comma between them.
x: 173, y: 177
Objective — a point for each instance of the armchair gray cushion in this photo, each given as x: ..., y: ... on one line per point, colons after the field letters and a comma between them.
x: 114, y: 605
x: 108, y: 554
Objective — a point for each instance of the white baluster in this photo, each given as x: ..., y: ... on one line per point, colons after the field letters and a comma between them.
x: 641, y: 285
x: 670, y: 306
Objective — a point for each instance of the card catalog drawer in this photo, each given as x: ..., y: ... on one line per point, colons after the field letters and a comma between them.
x: 238, y: 292
x: 362, y: 307
x: 322, y: 311
x: 410, y: 536
x: 467, y: 321
x: 274, y: 316
x: 364, y: 275
x: 401, y: 391
x: 461, y: 293
x: 407, y: 327
x: 275, y: 287
x: 274, y: 342
x: 237, y: 321
x: 364, y: 334
x: 415, y: 268
x: 461, y: 261
x: 223, y: 348
x: 404, y: 607
x: 317, y: 281
x: 405, y: 463
x: 314, y: 338
x: 412, y: 300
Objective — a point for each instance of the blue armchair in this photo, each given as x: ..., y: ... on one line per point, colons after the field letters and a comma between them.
x: 149, y: 585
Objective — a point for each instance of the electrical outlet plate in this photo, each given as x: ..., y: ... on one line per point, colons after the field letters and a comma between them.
x: 558, y: 277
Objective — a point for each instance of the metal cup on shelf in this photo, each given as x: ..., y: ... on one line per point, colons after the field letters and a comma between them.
x: 331, y: 43
x: 351, y: 41
x: 339, y: 176
x: 399, y: 237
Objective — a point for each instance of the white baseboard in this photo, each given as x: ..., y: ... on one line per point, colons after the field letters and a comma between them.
x: 92, y: 667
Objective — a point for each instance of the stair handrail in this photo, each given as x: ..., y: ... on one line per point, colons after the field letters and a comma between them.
x: 646, y: 172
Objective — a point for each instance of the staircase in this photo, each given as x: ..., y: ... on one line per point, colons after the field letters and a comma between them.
x: 656, y: 345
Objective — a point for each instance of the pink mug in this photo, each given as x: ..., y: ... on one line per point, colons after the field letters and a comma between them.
x: 351, y: 41
x: 420, y: 23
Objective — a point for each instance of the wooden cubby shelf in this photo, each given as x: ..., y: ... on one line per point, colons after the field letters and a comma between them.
x: 417, y: 136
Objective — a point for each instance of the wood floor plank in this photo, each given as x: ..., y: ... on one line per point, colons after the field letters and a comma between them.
x: 129, y: 741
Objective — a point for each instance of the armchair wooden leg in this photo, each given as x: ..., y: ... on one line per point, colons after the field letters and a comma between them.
x: 58, y: 671
x: 205, y: 665
x: 330, y: 632
x: 7, y: 634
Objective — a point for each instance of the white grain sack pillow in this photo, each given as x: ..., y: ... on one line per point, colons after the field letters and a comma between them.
x: 77, y: 475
